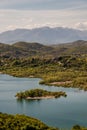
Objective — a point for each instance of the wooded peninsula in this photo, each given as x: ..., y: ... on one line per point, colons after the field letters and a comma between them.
x: 65, y: 71
x: 22, y: 122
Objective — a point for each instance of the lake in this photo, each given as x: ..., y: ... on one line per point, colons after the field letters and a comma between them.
x: 61, y: 112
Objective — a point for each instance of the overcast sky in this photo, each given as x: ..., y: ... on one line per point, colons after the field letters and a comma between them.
x: 36, y: 13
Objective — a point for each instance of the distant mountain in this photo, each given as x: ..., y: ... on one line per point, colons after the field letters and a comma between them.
x: 44, y: 35
x: 24, y: 49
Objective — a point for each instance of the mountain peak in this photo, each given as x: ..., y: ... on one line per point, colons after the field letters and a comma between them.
x: 44, y: 35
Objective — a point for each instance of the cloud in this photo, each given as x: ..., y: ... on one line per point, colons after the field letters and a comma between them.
x: 81, y: 25
x: 43, y: 4
x: 12, y: 19
x: 35, y: 13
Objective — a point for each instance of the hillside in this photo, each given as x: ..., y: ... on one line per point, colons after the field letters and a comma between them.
x: 44, y: 35
x: 24, y: 49
x: 77, y: 47
x: 32, y: 46
x: 64, y: 64
x: 21, y: 122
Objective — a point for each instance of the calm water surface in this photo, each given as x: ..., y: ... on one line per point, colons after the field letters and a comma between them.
x: 61, y: 112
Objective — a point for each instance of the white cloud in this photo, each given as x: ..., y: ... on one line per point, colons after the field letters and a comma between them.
x: 43, y: 4
x: 81, y: 25
x: 12, y: 19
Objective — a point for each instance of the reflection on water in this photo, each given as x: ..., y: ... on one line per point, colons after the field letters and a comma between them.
x: 30, y: 101
x: 61, y: 112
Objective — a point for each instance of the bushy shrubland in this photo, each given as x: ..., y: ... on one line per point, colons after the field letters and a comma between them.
x: 21, y: 122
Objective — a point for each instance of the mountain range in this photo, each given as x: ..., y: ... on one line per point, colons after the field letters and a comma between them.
x: 44, y: 35
x: 25, y: 49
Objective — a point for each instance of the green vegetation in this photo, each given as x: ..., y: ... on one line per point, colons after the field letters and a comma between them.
x: 60, y: 65
x: 24, y: 49
x: 21, y: 122
x: 66, y: 71
x: 35, y: 93
x: 77, y: 127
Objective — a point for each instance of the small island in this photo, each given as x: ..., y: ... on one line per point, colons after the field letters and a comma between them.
x: 39, y: 94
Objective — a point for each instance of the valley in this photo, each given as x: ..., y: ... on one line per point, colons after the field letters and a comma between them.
x: 63, y: 65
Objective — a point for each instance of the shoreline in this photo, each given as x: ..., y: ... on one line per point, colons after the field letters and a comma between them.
x: 61, y: 83
x: 36, y: 98
x: 65, y: 84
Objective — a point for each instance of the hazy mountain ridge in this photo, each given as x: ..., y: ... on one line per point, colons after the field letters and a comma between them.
x: 44, y: 35
x: 24, y: 49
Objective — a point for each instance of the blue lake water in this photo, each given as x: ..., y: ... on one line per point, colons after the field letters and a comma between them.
x: 61, y: 112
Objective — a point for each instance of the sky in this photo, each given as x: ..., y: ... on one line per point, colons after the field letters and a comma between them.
x: 38, y: 13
